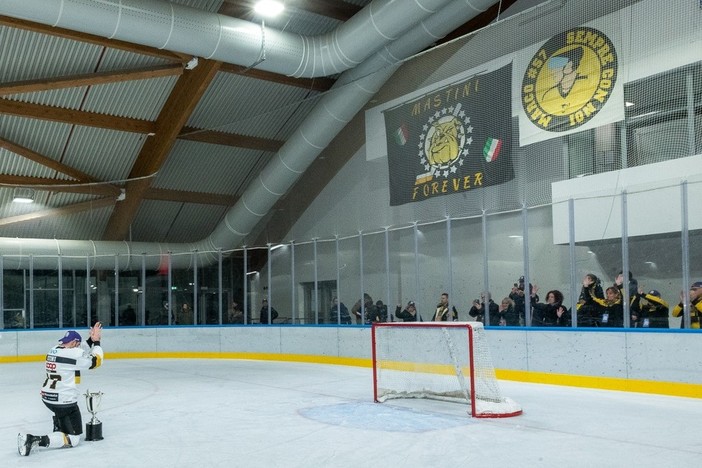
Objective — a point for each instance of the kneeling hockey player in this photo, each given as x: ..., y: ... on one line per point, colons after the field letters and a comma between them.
x: 64, y: 363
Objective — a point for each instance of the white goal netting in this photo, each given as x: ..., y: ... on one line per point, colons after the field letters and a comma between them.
x: 438, y: 360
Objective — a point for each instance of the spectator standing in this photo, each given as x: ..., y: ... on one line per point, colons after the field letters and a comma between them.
x: 377, y: 313
x: 235, y: 315
x: 128, y: 316
x: 362, y: 308
x: 633, y: 285
x: 477, y: 311
x: 409, y: 314
x: 267, y: 314
x: 442, y: 313
x: 338, y: 313
x: 489, y: 309
x: 611, y: 313
x: 648, y: 310
x: 507, y: 315
x: 185, y: 316
x: 518, y: 296
x: 588, y: 310
x: 552, y: 312
x: 695, y: 306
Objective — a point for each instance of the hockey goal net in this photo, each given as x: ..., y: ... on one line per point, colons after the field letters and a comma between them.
x: 438, y: 360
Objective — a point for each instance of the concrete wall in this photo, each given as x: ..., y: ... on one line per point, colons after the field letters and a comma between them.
x: 664, y: 362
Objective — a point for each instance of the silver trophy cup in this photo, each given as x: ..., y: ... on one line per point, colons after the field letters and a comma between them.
x: 93, y: 429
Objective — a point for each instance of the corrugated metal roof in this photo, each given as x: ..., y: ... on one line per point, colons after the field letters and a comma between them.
x: 224, y: 106
x: 142, y: 99
x: 195, y: 222
x: 103, y: 154
x: 160, y: 221
x: 221, y: 169
x: 41, y: 136
x: 26, y: 55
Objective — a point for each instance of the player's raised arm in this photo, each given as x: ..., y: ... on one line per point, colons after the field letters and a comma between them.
x: 96, y: 333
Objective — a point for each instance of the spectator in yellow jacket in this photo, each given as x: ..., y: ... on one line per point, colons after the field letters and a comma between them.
x: 695, y: 306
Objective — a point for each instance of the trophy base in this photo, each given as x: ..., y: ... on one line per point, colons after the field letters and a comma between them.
x: 93, y: 431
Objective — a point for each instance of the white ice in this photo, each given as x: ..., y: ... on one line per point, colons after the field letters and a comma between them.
x: 230, y: 413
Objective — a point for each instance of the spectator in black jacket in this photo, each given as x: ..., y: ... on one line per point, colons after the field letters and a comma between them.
x: 409, y: 313
x: 477, y: 312
x: 552, y: 312
x: 265, y: 317
x: 633, y: 285
x: 338, y: 313
x: 611, y: 309
x: 518, y: 295
x: 648, y: 310
x: 588, y: 309
x: 507, y: 314
x: 483, y: 312
x: 362, y: 308
x: 377, y: 313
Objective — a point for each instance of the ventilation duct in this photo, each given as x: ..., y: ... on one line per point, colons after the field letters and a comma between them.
x: 337, y: 107
x: 170, y: 26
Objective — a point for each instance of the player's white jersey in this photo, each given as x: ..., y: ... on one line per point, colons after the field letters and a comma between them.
x: 63, y: 367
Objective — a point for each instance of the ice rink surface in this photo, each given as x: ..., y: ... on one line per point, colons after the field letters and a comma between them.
x: 229, y: 413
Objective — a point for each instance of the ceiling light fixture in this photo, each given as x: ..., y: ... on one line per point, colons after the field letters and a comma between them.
x: 269, y: 8
x: 23, y: 195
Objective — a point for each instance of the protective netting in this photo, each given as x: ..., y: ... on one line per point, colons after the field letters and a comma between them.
x: 594, y: 87
x: 430, y: 360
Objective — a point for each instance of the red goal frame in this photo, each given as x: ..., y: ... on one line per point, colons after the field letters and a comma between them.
x: 469, y: 326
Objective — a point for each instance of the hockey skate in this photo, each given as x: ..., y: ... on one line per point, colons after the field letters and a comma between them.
x: 26, y: 442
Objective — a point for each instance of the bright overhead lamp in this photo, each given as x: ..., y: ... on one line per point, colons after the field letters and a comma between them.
x: 23, y: 195
x: 269, y: 8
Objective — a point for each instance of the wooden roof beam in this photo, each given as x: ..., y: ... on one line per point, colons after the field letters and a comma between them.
x: 184, y: 96
x: 314, y: 84
x: 90, y: 79
x: 56, y: 185
x: 93, y: 39
x: 230, y: 139
x: 182, y: 196
x: 76, y: 117
x: 112, y: 191
x: 45, y: 161
x: 64, y: 210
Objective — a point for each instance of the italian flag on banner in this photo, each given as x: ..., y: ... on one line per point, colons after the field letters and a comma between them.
x: 447, y: 140
x: 401, y: 135
x: 492, y: 149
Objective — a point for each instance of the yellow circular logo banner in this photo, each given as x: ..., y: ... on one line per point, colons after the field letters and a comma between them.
x: 569, y: 80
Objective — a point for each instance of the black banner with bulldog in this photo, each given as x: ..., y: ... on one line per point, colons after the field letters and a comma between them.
x: 451, y: 140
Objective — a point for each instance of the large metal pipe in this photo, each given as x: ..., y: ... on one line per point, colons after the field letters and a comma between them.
x: 170, y: 26
x: 348, y: 96
x: 351, y: 92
